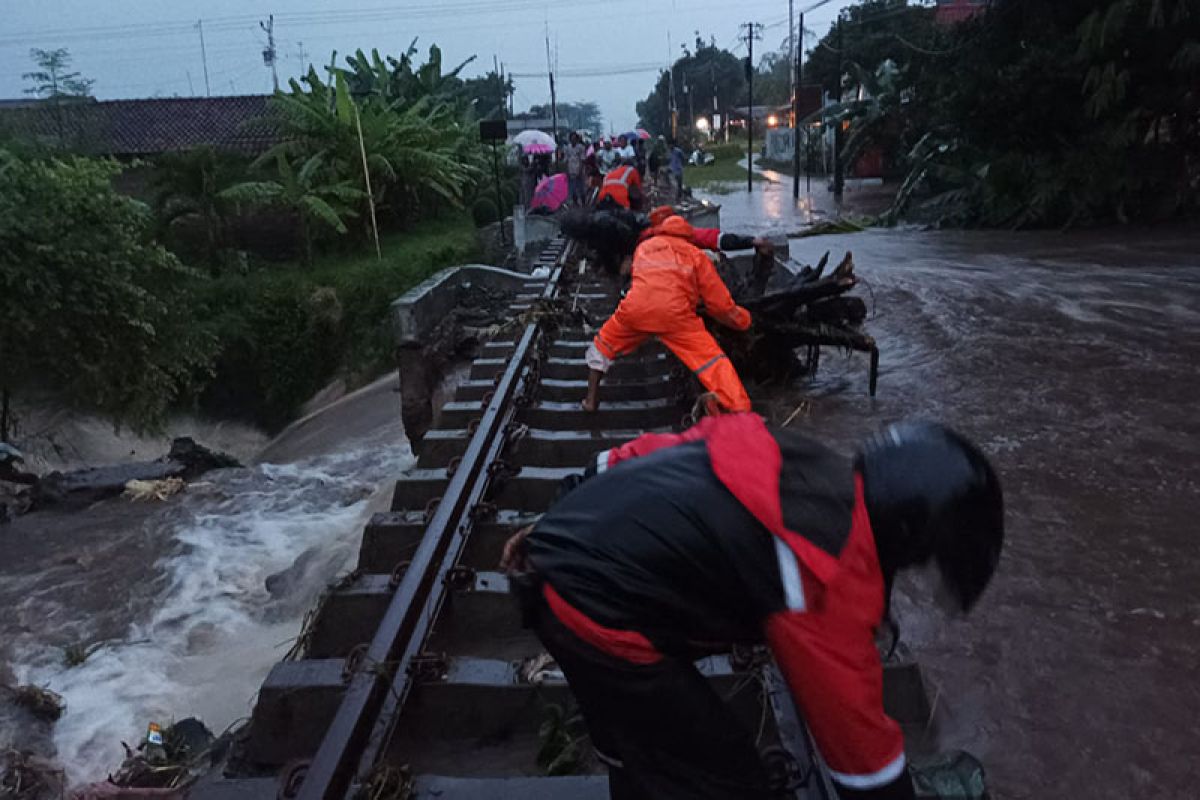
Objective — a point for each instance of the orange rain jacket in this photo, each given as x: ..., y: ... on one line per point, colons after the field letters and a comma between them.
x: 671, y: 277
x: 617, y: 184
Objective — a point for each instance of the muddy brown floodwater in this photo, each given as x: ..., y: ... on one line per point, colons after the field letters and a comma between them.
x: 1072, y: 359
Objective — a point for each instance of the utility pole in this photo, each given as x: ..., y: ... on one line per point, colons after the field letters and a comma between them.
x: 303, y: 58
x: 672, y: 110
x: 712, y: 76
x: 191, y: 89
x: 837, y: 129
x: 553, y: 99
x: 203, y: 57
x: 799, y: 54
x: 269, y: 53
x: 689, y: 89
x: 753, y: 32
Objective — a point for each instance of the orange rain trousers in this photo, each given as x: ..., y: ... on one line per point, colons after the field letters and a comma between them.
x: 670, y: 279
x: 692, y: 344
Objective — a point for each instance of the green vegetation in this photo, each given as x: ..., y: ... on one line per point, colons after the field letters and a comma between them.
x: 91, y: 307
x: 52, y: 80
x: 284, y: 333
x: 95, y: 312
x: 722, y: 176
x: 707, y: 71
x: 1030, y: 114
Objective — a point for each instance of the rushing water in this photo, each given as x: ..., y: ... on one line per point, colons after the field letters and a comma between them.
x: 1072, y: 359
x: 179, y: 594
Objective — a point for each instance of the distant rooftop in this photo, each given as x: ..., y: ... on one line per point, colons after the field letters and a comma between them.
x: 145, y: 127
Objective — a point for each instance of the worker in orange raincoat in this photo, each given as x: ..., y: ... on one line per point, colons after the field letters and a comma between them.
x: 622, y: 186
x: 670, y: 278
x: 709, y: 238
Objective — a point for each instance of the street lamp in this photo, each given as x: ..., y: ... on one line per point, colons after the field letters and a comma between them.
x: 772, y: 121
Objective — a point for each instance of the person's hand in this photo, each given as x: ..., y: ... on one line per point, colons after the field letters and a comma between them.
x: 513, y: 557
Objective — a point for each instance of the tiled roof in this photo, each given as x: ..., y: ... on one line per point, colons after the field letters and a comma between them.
x: 147, y: 127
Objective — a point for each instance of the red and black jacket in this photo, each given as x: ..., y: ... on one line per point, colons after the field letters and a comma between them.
x: 731, y: 532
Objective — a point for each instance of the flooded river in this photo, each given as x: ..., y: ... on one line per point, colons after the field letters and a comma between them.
x: 1072, y: 358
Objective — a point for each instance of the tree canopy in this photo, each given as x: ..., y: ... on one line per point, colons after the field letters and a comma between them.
x: 91, y: 308
x: 704, y: 71
x: 53, y: 80
x: 576, y: 116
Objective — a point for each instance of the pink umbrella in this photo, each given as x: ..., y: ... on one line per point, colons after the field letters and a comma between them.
x: 538, y: 149
x: 550, y: 193
x: 642, y: 133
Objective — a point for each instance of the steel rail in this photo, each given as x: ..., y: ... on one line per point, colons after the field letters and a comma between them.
x: 379, y: 685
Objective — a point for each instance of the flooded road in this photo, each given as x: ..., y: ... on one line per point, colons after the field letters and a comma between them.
x: 1072, y: 359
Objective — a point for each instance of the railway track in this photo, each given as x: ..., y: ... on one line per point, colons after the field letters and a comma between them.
x: 414, y: 678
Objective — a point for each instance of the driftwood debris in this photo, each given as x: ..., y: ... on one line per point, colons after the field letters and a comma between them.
x: 185, y: 461
x: 807, y: 310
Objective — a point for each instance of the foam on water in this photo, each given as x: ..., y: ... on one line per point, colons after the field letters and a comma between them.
x: 216, y: 630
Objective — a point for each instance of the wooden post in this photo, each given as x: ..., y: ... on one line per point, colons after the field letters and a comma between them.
x: 362, y: 148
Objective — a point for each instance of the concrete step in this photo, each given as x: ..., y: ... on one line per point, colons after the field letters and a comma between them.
x: 551, y: 448
x: 462, y: 699
x: 574, y: 787
x: 637, y: 365
x: 532, y: 489
x: 650, y: 365
x: 295, y: 705
x: 392, y: 536
x: 574, y: 390
x: 350, y: 615
x: 568, y: 415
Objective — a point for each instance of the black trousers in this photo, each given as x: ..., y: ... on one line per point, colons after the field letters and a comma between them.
x: 662, y: 730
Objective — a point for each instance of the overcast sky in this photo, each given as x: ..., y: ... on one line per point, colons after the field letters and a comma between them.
x: 607, y: 51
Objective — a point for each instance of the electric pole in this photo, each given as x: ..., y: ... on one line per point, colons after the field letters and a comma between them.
x: 303, y: 58
x: 837, y: 129
x: 269, y: 53
x: 553, y: 99
x: 689, y: 89
x: 799, y: 54
x: 203, y: 57
x: 753, y: 32
x: 671, y: 108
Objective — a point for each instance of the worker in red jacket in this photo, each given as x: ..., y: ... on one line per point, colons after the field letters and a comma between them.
x: 680, y: 545
x: 622, y: 186
x: 670, y: 278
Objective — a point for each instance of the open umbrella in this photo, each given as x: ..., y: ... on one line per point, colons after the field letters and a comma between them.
x: 534, y: 141
x: 636, y: 134
x: 550, y: 193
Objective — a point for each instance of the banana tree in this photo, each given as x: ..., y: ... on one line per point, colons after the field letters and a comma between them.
x: 319, y: 198
x: 189, y: 185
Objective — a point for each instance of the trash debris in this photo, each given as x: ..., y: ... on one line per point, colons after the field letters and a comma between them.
x: 41, y: 702
x: 166, y: 758
x: 540, y: 668
x: 185, y: 461
x: 25, y: 776
x: 144, y: 491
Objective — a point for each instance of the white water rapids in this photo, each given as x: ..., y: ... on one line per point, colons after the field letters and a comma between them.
x: 213, y: 629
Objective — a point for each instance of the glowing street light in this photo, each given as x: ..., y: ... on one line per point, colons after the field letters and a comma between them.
x: 772, y: 121
x: 702, y: 124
